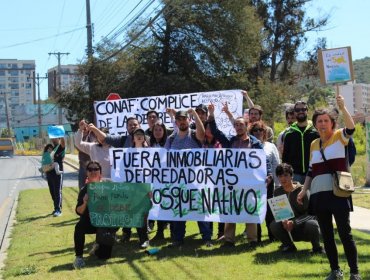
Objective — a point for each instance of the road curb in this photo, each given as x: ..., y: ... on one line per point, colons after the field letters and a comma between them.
x: 6, y: 238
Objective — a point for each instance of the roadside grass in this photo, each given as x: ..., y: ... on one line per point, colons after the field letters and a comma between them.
x: 42, y: 248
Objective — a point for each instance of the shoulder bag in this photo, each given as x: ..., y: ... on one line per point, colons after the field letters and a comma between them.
x: 343, y: 185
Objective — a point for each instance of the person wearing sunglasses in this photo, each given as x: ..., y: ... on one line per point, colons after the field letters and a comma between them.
x: 84, y: 226
x: 297, y: 142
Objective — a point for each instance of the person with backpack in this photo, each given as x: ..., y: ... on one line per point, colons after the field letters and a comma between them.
x: 187, y: 138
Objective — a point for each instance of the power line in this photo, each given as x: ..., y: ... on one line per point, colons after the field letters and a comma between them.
x: 151, y: 21
x: 41, y: 39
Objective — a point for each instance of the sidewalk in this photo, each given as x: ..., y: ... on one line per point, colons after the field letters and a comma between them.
x: 72, y: 160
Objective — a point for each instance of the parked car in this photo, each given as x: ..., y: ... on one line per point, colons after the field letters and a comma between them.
x: 6, y: 147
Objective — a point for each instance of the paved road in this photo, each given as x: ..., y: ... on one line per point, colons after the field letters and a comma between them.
x: 21, y: 173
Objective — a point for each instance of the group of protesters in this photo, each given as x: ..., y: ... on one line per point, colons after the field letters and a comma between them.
x: 295, y: 167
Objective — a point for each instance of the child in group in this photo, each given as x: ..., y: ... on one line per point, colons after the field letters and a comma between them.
x: 47, y: 163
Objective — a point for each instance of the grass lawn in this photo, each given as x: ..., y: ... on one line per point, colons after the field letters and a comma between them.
x: 42, y: 248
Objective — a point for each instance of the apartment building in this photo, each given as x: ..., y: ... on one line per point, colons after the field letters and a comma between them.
x: 67, y: 77
x: 357, y: 99
x: 15, y: 87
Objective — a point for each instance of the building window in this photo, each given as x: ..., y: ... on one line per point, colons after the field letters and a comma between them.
x: 13, y: 72
x: 2, y: 72
x: 28, y: 66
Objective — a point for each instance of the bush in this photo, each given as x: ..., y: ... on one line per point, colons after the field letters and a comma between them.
x: 360, y: 139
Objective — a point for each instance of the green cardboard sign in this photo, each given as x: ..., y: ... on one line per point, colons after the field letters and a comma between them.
x: 118, y: 204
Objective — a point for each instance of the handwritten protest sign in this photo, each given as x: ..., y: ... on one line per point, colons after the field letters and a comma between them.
x: 335, y: 65
x: 223, y: 185
x: 118, y: 204
x: 113, y: 114
x: 280, y: 208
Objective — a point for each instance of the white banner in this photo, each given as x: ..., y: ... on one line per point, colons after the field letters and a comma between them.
x: 221, y: 185
x: 114, y: 113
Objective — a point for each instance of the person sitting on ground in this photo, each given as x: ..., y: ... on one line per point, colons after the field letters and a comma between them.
x: 303, y: 227
x: 84, y: 225
x: 47, y: 162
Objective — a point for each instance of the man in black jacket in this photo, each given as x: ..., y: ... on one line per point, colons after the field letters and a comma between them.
x: 297, y: 142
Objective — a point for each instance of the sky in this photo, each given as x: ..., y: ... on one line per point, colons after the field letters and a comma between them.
x: 32, y: 29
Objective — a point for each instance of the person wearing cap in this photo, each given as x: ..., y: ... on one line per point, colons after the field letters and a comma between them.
x: 202, y: 112
x: 187, y: 138
x: 290, y: 119
x: 297, y: 142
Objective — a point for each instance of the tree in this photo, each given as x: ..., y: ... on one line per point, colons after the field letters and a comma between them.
x: 285, y: 26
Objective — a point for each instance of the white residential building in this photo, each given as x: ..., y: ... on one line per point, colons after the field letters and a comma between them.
x: 15, y: 86
x: 68, y: 76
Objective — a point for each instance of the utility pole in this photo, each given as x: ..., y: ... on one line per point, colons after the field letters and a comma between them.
x: 89, y: 47
x: 7, y: 113
x: 58, y: 55
x: 89, y: 30
x: 37, y: 82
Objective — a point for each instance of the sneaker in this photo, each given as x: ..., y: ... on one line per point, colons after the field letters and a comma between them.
x: 335, y: 275
x: 57, y: 213
x: 245, y: 234
x: 208, y: 244
x: 355, y: 276
x: 318, y: 251
x: 93, y: 249
x: 78, y: 263
x: 289, y: 249
x: 145, y: 244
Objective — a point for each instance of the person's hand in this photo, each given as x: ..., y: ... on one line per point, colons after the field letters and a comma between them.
x: 288, y: 225
x: 171, y: 112
x: 211, y: 109
x: 82, y: 125
x: 86, y: 198
x: 192, y: 112
x: 225, y: 107
x: 301, y: 196
x: 340, y: 102
x: 245, y: 93
x: 91, y: 127
x: 268, y: 180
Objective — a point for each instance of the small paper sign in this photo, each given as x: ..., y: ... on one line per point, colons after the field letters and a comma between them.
x: 280, y: 208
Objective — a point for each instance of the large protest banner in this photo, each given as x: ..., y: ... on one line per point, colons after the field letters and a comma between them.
x: 118, y: 204
x: 114, y: 113
x: 222, y: 185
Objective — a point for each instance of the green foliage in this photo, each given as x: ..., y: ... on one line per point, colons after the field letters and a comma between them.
x: 42, y: 248
x: 361, y: 68
x: 7, y: 133
x: 359, y: 138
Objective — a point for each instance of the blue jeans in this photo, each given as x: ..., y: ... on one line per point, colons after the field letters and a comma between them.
x: 179, y: 229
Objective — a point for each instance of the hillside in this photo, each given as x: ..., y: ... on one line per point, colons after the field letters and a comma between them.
x: 362, y: 70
